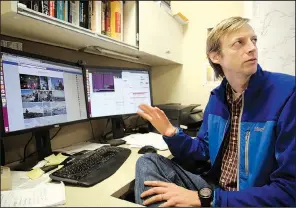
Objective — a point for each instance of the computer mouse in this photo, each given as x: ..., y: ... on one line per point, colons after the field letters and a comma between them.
x: 147, y: 149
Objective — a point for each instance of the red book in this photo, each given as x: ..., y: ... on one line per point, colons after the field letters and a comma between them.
x: 52, y: 8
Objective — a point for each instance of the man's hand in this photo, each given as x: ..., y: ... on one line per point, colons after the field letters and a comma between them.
x: 158, y: 119
x: 175, y: 196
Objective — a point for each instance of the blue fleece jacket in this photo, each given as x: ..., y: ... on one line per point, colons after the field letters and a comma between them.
x: 266, y: 150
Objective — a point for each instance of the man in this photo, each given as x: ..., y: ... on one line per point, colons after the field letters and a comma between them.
x: 248, y: 134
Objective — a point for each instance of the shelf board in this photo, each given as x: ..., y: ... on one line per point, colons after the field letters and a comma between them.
x: 35, y: 26
x: 29, y: 24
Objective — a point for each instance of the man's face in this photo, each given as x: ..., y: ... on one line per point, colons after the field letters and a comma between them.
x: 239, y: 54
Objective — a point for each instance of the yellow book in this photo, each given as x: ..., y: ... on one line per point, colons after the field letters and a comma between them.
x: 116, y: 19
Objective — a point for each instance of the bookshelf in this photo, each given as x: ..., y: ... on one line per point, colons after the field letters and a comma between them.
x: 135, y: 44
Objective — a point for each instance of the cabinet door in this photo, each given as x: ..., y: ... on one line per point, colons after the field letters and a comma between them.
x: 159, y: 33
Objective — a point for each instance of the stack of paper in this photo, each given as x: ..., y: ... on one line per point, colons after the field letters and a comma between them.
x: 140, y: 140
x: 44, y: 195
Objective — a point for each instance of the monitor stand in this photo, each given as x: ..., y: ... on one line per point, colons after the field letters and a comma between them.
x: 117, y: 131
x: 2, y: 152
x: 43, y: 148
x: 117, y: 127
x: 43, y: 145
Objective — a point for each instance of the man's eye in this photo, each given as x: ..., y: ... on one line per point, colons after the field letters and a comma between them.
x: 254, y: 40
x: 237, y: 43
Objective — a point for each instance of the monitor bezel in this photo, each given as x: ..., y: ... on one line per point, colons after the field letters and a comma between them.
x: 93, y: 67
x: 47, y: 127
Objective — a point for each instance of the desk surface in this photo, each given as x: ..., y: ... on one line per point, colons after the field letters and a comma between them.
x: 106, y: 192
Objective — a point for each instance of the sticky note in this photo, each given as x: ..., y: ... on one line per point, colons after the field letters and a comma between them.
x: 35, y: 173
x: 60, y: 166
x: 55, y: 159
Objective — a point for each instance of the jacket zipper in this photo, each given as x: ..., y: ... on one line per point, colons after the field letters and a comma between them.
x: 247, y: 141
x: 238, y: 144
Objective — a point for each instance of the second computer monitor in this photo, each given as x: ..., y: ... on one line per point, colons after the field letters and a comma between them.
x: 115, y: 91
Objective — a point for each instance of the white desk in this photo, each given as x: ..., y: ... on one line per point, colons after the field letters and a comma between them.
x: 104, y: 193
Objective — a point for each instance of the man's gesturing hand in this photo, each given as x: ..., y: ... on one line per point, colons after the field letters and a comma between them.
x: 158, y: 119
x: 175, y: 196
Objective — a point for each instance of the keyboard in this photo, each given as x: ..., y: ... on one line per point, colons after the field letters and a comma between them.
x: 92, y: 167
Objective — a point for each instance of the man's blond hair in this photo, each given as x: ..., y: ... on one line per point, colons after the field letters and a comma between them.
x: 214, y: 38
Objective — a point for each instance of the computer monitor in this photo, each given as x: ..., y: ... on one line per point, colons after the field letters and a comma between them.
x: 38, y: 93
x: 113, y: 92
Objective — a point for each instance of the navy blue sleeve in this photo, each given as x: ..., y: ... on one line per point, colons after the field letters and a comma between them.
x: 281, y: 192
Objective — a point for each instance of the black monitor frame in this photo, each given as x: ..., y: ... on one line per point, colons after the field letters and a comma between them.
x: 116, y: 120
x: 41, y: 133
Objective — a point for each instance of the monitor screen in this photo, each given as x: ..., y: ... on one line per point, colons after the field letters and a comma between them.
x: 114, y: 92
x: 38, y: 93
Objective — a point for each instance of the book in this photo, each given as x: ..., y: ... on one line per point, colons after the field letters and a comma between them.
x: 52, y: 10
x: 107, y: 19
x: 45, y: 7
x: 103, y: 16
x: 74, y: 12
x: 66, y: 10
x: 83, y: 13
x: 116, y: 12
x: 96, y: 17
x: 27, y: 3
x: 89, y: 13
x: 60, y: 9
x: 36, y: 6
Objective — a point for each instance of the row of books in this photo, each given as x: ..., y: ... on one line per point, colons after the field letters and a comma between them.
x: 102, y: 17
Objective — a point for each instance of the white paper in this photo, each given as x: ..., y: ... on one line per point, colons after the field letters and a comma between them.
x: 18, y: 178
x: 40, y: 164
x: 80, y: 147
x: 40, y: 196
x: 37, y: 182
x: 151, y: 138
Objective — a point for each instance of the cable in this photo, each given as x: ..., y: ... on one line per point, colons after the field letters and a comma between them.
x: 92, y: 130
x: 27, y: 146
x: 24, y: 159
x: 56, y: 133
x: 31, y: 154
x: 103, y: 135
x: 137, y: 121
x: 126, y: 117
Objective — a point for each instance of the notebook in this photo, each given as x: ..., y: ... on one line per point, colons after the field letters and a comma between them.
x: 44, y: 195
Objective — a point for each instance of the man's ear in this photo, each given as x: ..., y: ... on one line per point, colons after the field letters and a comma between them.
x: 215, y: 57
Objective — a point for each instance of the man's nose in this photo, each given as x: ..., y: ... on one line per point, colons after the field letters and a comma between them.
x: 251, y: 47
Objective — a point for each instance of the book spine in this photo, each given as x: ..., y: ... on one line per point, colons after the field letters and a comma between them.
x: 70, y: 8
x: 45, y: 7
x: 121, y: 24
x: 66, y: 15
x: 96, y: 17
x: 83, y: 14
x: 103, y: 16
x: 75, y: 13
x: 61, y: 10
x: 115, y: 19
x: 36, y: 6
x: 52, y: 8
x: 107, y: 19
x: 29, y: 4
x: 89, y: 14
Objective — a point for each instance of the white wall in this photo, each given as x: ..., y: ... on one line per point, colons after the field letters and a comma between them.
x: 185, y: 83
x: 274, y: 23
